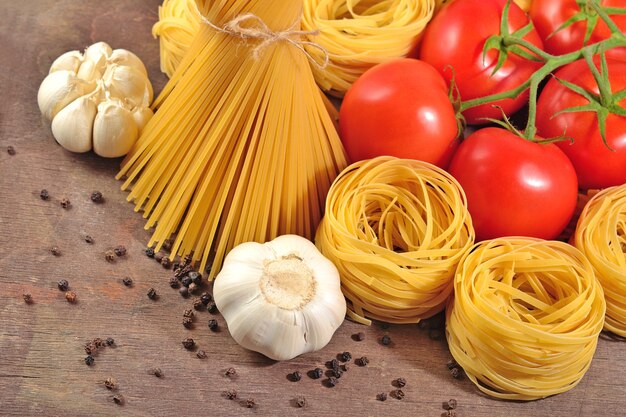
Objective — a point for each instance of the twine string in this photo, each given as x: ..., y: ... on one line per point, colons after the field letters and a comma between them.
x: 260, y: 31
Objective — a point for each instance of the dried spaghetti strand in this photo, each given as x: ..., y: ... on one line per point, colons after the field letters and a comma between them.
x: 395, y: 229
x: 525, y: 317
x: 240, y: 141
x: 601, y: 236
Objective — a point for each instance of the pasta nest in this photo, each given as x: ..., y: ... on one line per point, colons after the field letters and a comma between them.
x: 395, y: 229
x: 601, y: 236
x: 525, y: 317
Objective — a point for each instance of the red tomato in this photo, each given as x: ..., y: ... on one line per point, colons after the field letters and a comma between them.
x: 515, y: 187
x: 399, y: 108
x: 549, y: 15
x: 596, y: 165
x: 456, y: 36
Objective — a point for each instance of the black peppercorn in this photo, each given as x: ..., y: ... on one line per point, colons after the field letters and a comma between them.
x: 150, y: 253
x: 230, y: 372
x: 250, y: 403
x: 449, y: 405
x: 213, y: 325
x: 152, y: 294
x: 186, y: 281
x: 398, y: 394
x: 98, y: 342
x: 96, y: 197
x: 360, y: 336
x: 198, y: 305
x: 456, y: 373
x: 156, y: 372
x: 448, y: 413
x: 399, y: 382
x: 28, y: 299
x: 294, y: 376
x: 89, y: 360
x: 184, y: 291
x: 206, y: 298
x: 201, y: 354
x: 127, y: 281
x: 120, y: 250
x: 159, y: 256
x: 118, y: 399
x: 10, y: 150
x: 331, y: 381
x: 385, y: 340
x: 316, y: 373
x: 301, y: 402
x: 187, y: 322
x: 189, y: 343
x: 345, y: 356
x: 382, y: 396
x: 452, y: 364
x: 231, y: 394
x: 333, y: 364
x: 174, y: 282
x: 335, y: 373
x: 70, y: 296
x: 362, y: 361
x: 166, y: 263
x: 109, y: 255
x: 110, y: 341
x: 110, y: 383
x: 88, y: 238
x: 195, y: 276
x: 55, y: 251
x: 193, y: 287
x: 63, y: 285
x: 65, y: 203
x: 211, y: 308
x: 44, y: 194
x: 188, y: 313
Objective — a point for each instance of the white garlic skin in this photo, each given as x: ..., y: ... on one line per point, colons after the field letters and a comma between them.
x: 114, y: 130
x: 280, y: 333
x: 101, y: 99
x: 72, y: 126
x: 59, y: 89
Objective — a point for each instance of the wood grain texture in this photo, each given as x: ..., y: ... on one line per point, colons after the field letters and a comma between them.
x: 42, y: 370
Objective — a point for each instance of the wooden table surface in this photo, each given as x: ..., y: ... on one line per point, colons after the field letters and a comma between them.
x: 42, y: 368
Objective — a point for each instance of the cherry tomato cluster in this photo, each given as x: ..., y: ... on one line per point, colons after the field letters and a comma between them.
x: 466, y: 71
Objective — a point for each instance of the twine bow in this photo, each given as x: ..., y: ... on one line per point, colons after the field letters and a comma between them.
x: 260, y: 31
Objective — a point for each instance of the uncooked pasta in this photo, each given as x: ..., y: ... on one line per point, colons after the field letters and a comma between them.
x: 356, y: 34
x: 395, y: 229
x: 242, y: 147
x: 601, y: 236
x: 525, y: 317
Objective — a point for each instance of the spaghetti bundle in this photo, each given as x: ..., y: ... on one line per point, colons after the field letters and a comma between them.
x: 357, y: 34
x: 525, y: 317
x: 601, y: 236
x: 242, y: 147
x: 395, y: 229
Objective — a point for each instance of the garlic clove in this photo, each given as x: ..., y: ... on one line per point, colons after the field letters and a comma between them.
x: 114, y: 130
x: 69, y: 61
x: 58, y: 89
x: 72, y: 126
x: 126, y: 58
x: 282, y: 298
x: 89, y: 71
x: 142, y: 116
x: 128, y: 83
x: 98, y: 54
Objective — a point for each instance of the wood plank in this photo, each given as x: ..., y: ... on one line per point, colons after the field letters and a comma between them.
x: 41, y: 345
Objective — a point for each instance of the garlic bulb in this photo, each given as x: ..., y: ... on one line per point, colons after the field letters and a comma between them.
x: 98, y: 100
x: 281, y: 298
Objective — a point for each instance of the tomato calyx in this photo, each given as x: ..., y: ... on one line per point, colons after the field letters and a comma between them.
x: 588, y: 12
x: 455, y: 98
x: 506, y: 42
x: 604, y: 103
